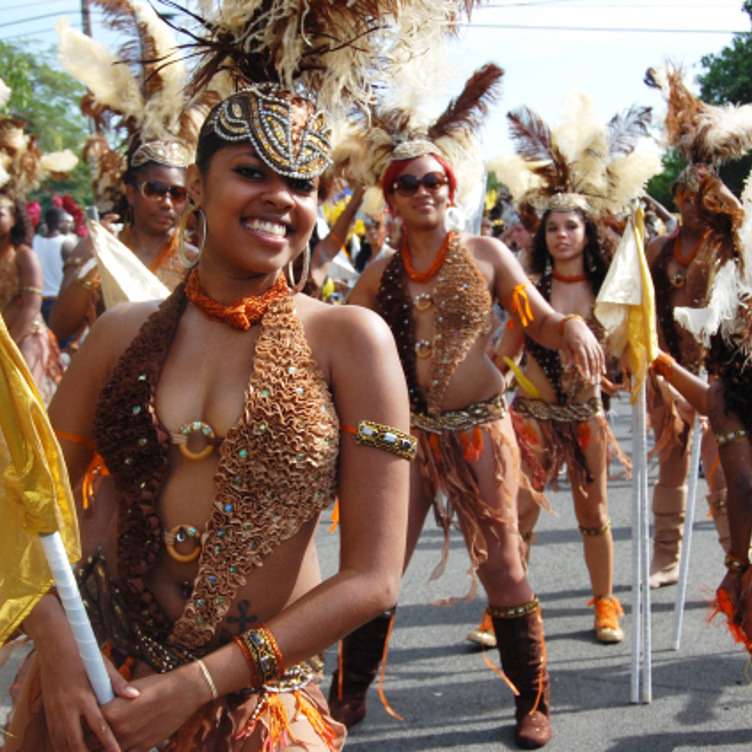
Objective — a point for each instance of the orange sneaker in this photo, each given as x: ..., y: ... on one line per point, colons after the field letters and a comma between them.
x: 484, y: 634
x: 607, y: 613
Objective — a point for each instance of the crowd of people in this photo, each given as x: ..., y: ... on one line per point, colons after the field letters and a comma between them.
x: 206, y: 433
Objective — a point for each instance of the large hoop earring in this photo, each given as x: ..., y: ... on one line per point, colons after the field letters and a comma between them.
x: 300, y: 284
x: 454, y: 219
x: 184, y: 260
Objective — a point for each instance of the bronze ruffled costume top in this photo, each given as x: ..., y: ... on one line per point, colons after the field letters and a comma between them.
x: 277, y: 467
x: 462, y: 314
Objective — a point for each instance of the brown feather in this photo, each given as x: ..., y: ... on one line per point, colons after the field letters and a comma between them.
x: 469, y: 109
x: 532, y: 140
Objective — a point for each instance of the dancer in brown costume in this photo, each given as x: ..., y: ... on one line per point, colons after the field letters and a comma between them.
x: 681, y: 264
x: 436, y: 295
x: 303, y: 402
x: 559, y: 419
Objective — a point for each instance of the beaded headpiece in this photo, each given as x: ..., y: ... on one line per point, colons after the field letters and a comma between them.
x: 288, y: 133
x: 167, y: 153
x: 583, y: 163
x: 564, y: 202
x: 414, y: 149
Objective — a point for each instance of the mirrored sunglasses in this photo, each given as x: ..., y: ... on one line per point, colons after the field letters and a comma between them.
x: 407, y: 185
x: 156, y: 191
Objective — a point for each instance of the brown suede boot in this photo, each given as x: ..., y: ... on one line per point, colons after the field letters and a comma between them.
x: 717, y: 504
x: 519, y: 636
x: 360, y: 657
x: 669, y: 508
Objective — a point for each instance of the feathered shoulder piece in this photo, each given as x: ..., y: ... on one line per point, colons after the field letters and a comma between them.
x: 140, y: 88
x: 22, y: 165
x: 583, y: 162
x: 703, y: 133
x: 365, y: 148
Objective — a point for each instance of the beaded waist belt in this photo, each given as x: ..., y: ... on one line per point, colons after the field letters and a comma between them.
x: 540, y: 410
x: 110, y: 619
x: 461, y: 420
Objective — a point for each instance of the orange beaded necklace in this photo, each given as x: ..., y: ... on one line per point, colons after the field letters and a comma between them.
x: 241, y: 314
x: 677, y: 249
x: 564, y: 278
x: 438, y: 262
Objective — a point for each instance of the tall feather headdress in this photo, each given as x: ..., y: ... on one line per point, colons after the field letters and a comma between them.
x: 581, y: 163
x: 22, y: 165
x: 367, y: 146
x: 291, y: 61
x: 706, y: 137
x: 140, y: 89
x: 703, y: 133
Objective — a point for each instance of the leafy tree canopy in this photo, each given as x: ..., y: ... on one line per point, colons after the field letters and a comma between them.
x: 48, y: 100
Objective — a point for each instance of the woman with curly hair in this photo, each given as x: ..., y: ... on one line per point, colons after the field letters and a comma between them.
x: 559, y: 417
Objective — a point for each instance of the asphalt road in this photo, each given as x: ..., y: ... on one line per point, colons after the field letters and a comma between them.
x: 451, y: 700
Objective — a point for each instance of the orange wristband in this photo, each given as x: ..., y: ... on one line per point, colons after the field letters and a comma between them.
x: 568, y: 318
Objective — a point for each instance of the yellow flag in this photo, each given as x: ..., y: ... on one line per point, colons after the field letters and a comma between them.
x: 35, y: 494
x: 626, y: 303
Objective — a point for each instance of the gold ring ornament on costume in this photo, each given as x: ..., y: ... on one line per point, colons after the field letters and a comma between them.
x: 677, y: 280
x: 180, y: 534
x: 423, y: 301
x: 181, y: 439
x: 424, y: 348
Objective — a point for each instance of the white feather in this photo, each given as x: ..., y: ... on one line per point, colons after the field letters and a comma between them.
x: 5, y: 93
x: 112, y: 83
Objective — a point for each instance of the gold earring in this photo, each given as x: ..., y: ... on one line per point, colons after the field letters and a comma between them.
x: 188, y: 264
x: 300, y: 284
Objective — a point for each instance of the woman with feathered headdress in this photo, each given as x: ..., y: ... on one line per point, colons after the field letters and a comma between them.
x: 22, y: 168
x: 140, y: 90
x: 436, y: 294
x: 230, y: 416
x: 713, y: 328
x: 577, y: 176
x: 684, y: 265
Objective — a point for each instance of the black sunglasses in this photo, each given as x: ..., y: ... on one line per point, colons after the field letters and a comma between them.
x: 156, y: 191
x: 407, y: 185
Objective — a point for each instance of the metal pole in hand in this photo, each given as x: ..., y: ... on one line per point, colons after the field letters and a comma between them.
x: 689, y: 519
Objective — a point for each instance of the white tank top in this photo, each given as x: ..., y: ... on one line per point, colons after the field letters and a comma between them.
x: 48, y: 250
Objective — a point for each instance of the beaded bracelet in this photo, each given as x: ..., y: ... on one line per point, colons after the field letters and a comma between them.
x: 734, y: 564
x: 30, y: 288
x: 568, y: 318
x: 262, y: 654
x: 663, y: 365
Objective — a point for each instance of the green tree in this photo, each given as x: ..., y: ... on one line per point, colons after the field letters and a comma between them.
x: 728, y: 78
x: 659, y: 187
x: 48, y: 100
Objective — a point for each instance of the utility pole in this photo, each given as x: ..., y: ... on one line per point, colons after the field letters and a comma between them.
x: 86, y: 17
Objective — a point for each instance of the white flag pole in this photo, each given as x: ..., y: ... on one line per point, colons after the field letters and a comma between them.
x: 689, y: 519
x: 76, y: 612
x: 646, y: 694
x: 638, y: 566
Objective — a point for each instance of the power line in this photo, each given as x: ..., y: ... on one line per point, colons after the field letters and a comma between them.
x: 29, y: 5
x: 36, y: 18
x: 603, y: 29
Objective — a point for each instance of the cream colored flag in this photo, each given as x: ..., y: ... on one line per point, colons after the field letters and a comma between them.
x: 124, y: 278
x: 626, y: 303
